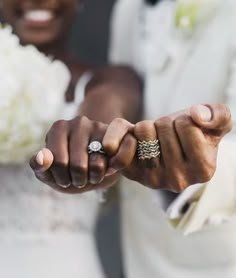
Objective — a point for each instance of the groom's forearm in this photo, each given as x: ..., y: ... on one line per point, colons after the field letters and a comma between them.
x: 113, y: 92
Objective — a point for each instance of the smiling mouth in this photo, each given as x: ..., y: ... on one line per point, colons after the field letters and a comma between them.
x: 38, y: 17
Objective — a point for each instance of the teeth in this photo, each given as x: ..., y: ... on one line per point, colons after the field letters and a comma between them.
x: 38, y: 15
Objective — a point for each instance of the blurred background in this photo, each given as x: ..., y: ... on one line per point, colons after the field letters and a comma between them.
x: 88, y: 40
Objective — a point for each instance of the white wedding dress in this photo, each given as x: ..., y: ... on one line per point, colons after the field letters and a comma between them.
x: 44, y: 233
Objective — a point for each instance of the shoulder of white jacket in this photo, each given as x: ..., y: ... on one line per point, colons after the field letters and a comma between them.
x: 229, y: 7
x: 229, y: 17
x: 122, y: 24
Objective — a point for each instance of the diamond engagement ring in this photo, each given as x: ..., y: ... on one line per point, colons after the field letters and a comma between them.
x: 148, y: 149
x: 95, y: 147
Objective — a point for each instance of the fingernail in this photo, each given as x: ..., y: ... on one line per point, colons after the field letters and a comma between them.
x: 110, y: 172
x: 80, y: 186
x: 204, y: 113
x: 94, y: 178
x: 39, y: 158
x: 64, y: 185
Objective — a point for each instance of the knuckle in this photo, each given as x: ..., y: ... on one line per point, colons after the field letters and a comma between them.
x: 98, y: 125
x: 143, y: 125
x: 60, y: 124
x: 203, y: 171
x: 129, y: 141
x: 110, y: 147
x: 120, y: 162
x: 97, y: 167
x: 179, y: 186
x: 60, y: 161
x: 164, y: 121
x: 59, y: 165
x: 222, y: 117
x: 79, y: 168
x: 79, y: 121
x: 207, y: 173
x: 163, y: 124
x: 119, y: 121
x: 82, y: 119
x: 178, y: 182
x: 226, y: 117
x: 153, y: 181
x: 155, y: 184
x: 174, y: 181
x: 41, y: 177
x: 225, y: 114
x: 145, y: 130
x: 225, y: 111
x: 123, y: 158
x: 57, y: 128
x: 183, y: 121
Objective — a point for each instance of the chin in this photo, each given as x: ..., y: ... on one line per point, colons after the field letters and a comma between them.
x: 38, y: 40
x: 39, y: 32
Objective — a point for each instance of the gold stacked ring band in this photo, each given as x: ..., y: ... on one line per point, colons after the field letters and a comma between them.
x: 148, y: 149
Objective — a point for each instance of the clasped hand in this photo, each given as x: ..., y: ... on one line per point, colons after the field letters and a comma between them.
x: 188, y: 151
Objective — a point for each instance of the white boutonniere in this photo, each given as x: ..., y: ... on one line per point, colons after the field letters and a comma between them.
x: 190, y: 13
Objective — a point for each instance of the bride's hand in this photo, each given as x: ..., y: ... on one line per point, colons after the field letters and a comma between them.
x: 65, y: 163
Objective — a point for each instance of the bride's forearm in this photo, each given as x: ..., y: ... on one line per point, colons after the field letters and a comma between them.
x: 113, y: 92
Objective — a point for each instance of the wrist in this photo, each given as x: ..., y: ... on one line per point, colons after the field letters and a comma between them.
x: 102, y: 103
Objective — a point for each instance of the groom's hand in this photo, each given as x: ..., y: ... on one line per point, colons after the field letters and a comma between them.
x: 188, y: 147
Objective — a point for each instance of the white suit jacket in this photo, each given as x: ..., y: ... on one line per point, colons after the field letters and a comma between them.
x: 180, y: 70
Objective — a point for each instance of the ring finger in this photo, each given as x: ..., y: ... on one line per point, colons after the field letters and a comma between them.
x: 97, y: 160
x: 148, y: 145
x: 79, y: 138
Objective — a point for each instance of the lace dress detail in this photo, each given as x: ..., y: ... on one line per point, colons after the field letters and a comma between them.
x: 30, y: 207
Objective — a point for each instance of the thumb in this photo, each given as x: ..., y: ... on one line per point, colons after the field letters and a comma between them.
x: 42, y: 161
x: 215, y: 117
x: 201, y: 114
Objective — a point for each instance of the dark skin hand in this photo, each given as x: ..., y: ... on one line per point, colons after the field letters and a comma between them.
x: 189, y: 142
x: 112, y: 89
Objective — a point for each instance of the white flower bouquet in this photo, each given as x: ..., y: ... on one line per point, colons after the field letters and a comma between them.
x: 32, y: 89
